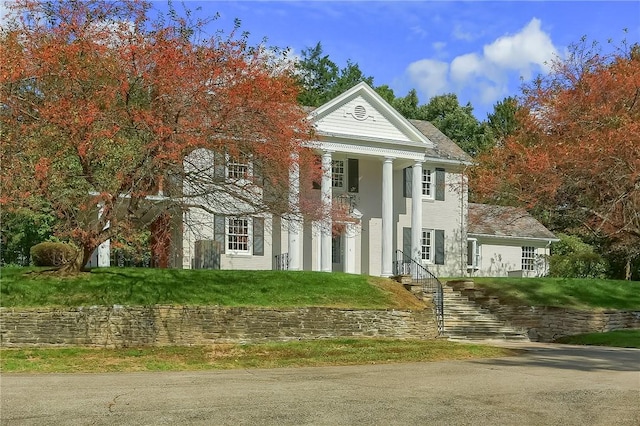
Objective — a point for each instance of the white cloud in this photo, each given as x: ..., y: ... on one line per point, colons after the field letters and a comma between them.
x: 439, y: 45
x: 460, y: 34
x: 430, y: 76
x: 531, y: 46
x: 465, y: 66
x: 486, y: 74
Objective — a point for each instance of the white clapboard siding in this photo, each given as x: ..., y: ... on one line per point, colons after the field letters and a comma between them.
x: 359, y: 117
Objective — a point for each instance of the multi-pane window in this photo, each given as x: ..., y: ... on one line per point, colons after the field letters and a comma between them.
x: 528, y: 258
x: 473, y: 253
x: 426, y: 244
x: 427, y: 180
x: 238, y: 234
x: 238, y: 167
x: 337, y: 173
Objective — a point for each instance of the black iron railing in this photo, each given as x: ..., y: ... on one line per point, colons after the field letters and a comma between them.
x: 282, y: 262
x: 431, y: 285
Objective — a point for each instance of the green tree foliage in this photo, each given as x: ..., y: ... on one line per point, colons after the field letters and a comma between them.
x: 20, y: 230
x: 502, y: 121
x: 573, y: 258
x: 458, y: 123
x: 322, y: 80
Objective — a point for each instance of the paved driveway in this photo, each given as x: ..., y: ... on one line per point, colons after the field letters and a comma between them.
x: 549, y: 385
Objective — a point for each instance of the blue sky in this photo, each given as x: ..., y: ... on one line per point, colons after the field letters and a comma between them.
x: 479, y: 50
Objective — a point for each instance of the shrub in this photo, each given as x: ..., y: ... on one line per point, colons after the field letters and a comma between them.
x: 52, y: 254
x: 573, y: 258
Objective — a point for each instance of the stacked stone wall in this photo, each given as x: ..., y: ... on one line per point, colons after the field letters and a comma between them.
x: 124, y: 326
x: 545, y: 324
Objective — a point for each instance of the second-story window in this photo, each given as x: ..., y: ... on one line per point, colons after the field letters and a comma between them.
x: 427, y: 183
x: 337, y: 173
x: 238, y: 167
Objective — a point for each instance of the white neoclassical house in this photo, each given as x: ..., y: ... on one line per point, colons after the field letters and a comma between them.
x: 406, y: 194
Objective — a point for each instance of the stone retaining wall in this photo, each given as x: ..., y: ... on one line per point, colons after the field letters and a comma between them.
x: 121, y: 326
x: 545, y: 324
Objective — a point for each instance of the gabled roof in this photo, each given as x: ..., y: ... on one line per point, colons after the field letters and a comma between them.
x: 365, y: 93
x: 505, y: 222
x: 417, y: 135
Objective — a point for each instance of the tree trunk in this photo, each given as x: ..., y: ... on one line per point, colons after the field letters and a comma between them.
x: 161, y: 241
x: 78, y: 263
x: 627, y: 270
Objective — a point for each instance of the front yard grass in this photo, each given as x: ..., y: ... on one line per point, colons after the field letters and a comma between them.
x: 29, y: 287
x: 572, y: 293
x: 230, y: 356
x: 617, y: 338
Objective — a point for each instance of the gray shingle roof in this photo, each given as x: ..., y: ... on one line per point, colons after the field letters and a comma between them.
x: 445, y: 148
x: 499, y: 221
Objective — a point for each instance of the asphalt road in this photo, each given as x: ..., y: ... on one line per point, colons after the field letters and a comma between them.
x: 549, y: 385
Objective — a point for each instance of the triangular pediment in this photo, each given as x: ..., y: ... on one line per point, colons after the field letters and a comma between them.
x: 360, y: 114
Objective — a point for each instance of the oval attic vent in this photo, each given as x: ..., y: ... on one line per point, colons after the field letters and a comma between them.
x: 360, y: 112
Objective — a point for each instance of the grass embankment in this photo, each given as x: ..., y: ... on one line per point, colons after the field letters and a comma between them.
x: 21, y: 287
x: 618, y: 338
x: 571, y: 293
x: 222, y: 357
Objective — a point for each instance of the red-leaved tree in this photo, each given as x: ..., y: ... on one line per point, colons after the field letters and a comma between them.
x: 576, y: 153
x: 111, y: 117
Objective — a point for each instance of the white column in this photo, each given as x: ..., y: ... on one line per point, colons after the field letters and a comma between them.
x: 104, y: 249
x: 327, y: 224
x: 416, y: 212
x: 294, y: 221
x: 350, y: 248
x: 387, y: 217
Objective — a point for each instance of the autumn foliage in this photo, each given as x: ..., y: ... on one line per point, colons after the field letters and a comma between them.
x: 101, y: 105
x: 575, y: 157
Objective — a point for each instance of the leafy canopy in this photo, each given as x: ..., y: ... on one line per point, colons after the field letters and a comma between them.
x: 103, y: 106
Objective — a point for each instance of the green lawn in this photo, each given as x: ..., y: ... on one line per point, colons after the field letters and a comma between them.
x: 229, y: 356
x: 20, y: 287
x: 618, y: 338
x: 576, y: 293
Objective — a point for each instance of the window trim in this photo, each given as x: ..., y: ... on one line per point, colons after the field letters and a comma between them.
x: 427, y: 183
x: 528, y: 258
x: 338, y: 175
x: 233, y: 163
x: 228, y: 236
x: 473, y: 261
x: 429, y: 258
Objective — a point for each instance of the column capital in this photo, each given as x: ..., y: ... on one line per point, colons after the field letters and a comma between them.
x: 388, y: 159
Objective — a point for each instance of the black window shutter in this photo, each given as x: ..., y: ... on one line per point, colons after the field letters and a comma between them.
x: 407, y: 176
x: 406, y: 242
x: 318, y: 163
x: 440, y: 186
x: 219, y: 231
x: 258, y: 236
x: 219, y: 165
x: 439, y: 244
x: 353, y: 178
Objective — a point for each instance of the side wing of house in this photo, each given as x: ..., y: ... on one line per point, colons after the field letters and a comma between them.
x: 221, y: 231
x: 505, y: 241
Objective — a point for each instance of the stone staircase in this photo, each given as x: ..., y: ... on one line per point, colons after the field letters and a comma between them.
x: 465, y: 320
